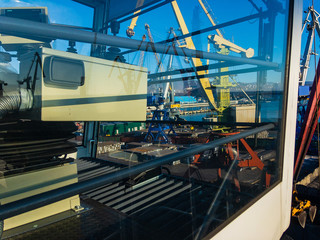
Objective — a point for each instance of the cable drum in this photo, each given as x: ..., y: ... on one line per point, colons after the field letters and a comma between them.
x: 15, y: 101
x: 9, y: 103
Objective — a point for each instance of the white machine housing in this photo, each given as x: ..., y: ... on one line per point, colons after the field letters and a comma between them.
x: 72, y: 87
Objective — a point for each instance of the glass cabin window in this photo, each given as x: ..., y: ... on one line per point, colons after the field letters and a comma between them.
x: 237, y: 84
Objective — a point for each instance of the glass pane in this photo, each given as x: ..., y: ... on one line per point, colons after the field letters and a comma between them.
x: 244, y: 91
x: 200, y: 72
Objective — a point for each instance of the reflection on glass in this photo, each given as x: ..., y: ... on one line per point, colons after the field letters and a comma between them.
x: 158, y: 111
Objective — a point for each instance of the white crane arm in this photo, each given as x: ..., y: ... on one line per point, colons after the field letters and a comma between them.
x: 221, y: 42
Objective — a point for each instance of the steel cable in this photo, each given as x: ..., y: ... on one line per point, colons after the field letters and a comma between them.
x: 9, y: 103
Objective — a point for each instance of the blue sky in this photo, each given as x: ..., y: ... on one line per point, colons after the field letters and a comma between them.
x: 160, y: 20
x: 62, y: 12
x: 244, y: 34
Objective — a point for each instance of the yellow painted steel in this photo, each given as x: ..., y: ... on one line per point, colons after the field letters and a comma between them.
x: 24, y: 185
x: 130, y: 30
x: 224, y: 85
x: 208, y: 13
x: 204, y: 82
x: 299, y: 205
x: 175, y: 106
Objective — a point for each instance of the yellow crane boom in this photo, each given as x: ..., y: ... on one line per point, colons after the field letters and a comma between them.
x: 130, y: 30
x: 220, y: 42
x: 205, y: 8
x: 204, y: 82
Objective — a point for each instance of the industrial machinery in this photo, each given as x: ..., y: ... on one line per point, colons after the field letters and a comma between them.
x: 60, y: 96
x: 307, y: 129
x: 130, y: 33
x: 57, y: 86
x: 224, y: 47
x: 311, y: 23
x: 52, y: 188
x: 309, y: 112
x: 55, y: 95
x: 221, y: 84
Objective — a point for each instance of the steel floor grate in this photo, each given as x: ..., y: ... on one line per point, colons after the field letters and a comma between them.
x: 171, y: 207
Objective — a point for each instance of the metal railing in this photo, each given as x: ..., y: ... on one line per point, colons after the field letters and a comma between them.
x: 27, y: 204
x: 23, y: 28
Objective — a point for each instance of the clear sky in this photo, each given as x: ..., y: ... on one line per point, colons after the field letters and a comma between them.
x: 244, y: 35
x: 62, y: 12
x: 160, y: 21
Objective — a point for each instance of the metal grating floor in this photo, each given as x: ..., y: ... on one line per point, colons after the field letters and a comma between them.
x: 90, y: 168
x: 100, y: 222
x: 162, y: 207
x: 169, y: 206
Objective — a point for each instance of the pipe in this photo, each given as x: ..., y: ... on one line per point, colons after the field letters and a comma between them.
x: 191, y: 69
x: 15, y: 101
x: 27, y: 204
x: 212, y: 28
x: 25, y: 28
x: 9, y: 103
x: 200, y: 68
x: 142, y: 6
x: 136, y: 14
x: 201, y: 123
x: 210, y: 75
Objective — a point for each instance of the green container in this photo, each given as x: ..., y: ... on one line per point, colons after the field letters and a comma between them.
x: 117, y: 128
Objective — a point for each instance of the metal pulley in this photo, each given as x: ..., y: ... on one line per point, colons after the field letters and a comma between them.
x: 130, y: 33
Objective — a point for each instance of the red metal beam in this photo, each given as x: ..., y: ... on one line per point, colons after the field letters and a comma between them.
x: 255, y: 161
x: 309, y: 124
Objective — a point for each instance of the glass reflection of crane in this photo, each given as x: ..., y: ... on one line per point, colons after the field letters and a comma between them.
x: 312, y: 19
x: 168, y: 93
x: 223, y: 46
